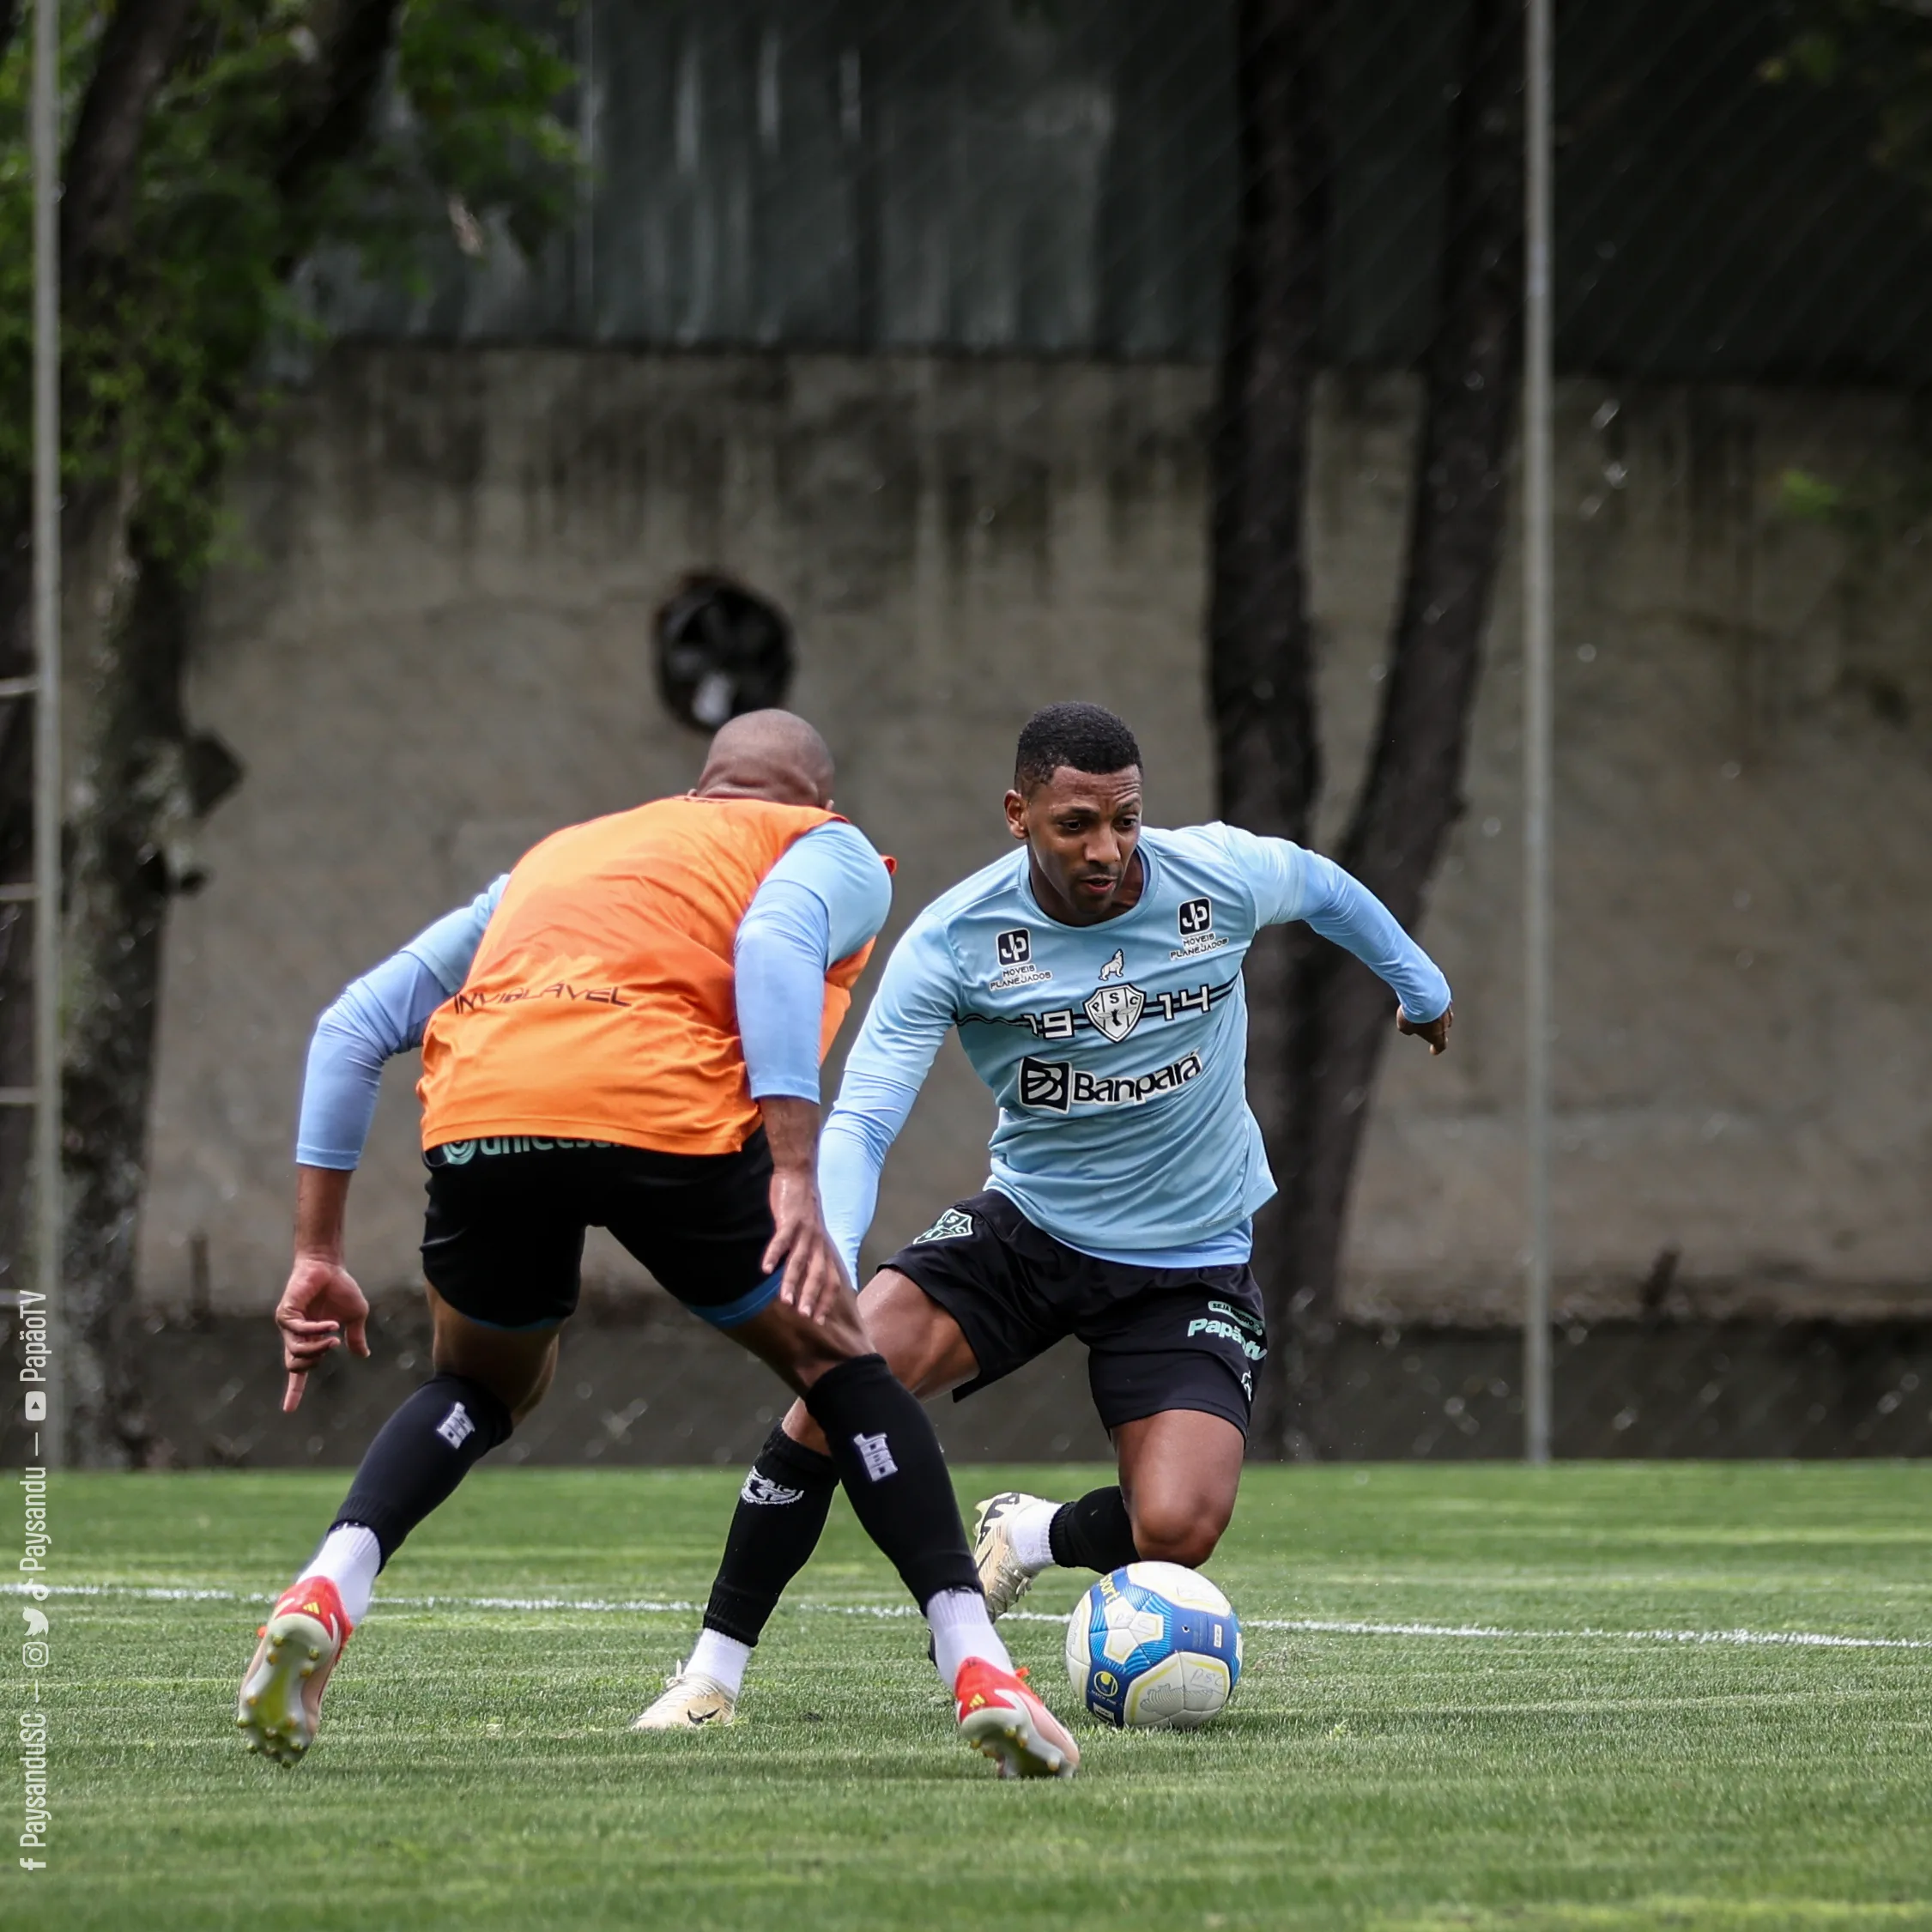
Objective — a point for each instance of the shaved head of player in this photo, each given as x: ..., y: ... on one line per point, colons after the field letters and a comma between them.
x: 1093, y: 978
x: 625, y: 1033
x: 773, y: 755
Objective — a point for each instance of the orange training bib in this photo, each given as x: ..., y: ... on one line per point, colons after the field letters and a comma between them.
x: 600, y: 1005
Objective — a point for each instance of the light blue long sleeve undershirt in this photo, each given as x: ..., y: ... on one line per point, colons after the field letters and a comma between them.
x: 374, y: 1018
x: 826, y: 897
x: 1291, y: 883
x: 822, y: 901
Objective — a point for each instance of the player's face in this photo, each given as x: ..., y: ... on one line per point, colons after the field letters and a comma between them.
x: 1082, y: 827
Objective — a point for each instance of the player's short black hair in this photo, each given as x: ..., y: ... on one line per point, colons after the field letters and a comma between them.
x: 1085, y: 736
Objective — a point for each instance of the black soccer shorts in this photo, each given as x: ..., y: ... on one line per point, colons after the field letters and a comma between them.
x: 1157, y: 1338
x: 503, y: 1235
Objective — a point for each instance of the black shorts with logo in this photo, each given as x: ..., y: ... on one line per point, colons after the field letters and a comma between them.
x: 1157, y: 1338
x: 503, y: 1235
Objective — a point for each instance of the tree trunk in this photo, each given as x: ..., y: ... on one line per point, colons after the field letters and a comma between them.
x: 146, y: 782
x: 1413, y: 793
x: 1260, y: 643
x: 141, y: 43
x: 146, y: 779
x: 16, y: 922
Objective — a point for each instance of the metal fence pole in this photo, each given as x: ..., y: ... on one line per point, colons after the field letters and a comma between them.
x: 1538, y: 627
x: 47, y: 731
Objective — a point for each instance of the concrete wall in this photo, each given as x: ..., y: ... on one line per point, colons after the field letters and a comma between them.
x: 434, y: 646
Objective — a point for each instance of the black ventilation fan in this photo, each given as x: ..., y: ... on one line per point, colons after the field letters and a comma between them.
x: 722, y: 650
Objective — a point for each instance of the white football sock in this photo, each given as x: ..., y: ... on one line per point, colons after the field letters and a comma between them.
x: 721, y: 1659
x: 1030, y: 1533
x: 962, y: 1629
x: 349, y: 1558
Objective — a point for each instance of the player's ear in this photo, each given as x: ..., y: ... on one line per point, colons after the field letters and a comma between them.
x: 1016, y: 814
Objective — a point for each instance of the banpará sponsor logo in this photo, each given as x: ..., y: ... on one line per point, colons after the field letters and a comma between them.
x: 1055, y: 1085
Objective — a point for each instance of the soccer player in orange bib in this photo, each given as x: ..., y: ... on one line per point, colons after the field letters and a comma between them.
x: 625, y: 1033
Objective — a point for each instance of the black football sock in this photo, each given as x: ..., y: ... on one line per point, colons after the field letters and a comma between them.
x: 780, y: 1518
x: 889, y: 1460
x: 419, y: 1455
x: 1094, y: 1532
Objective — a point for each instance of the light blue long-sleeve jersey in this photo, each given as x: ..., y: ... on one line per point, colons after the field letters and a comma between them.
x: 1117, y: 1051
x: 826, y: 896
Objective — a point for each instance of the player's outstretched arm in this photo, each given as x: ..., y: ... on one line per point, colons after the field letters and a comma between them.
x: 1290, y: 882
x: 374, y: 1018
x: 322, y: 1306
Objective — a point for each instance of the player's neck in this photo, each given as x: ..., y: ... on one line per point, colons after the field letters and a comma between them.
x: 1058, y: 908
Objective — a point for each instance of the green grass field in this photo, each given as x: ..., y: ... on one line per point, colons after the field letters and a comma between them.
x: 1558, y: 1767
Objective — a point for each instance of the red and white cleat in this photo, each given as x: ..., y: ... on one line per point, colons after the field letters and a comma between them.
x: 281, y: 1695
x: 1000, y: 1717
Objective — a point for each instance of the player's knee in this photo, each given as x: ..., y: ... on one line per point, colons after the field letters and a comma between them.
x: 1182, y: 1529
x: 800, y: 1426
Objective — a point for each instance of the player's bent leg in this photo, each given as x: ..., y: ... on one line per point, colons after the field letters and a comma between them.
x: 890, y: 1464
x: 487, y: 1380
x: 1180, y: 1471
x: 784, y: 1503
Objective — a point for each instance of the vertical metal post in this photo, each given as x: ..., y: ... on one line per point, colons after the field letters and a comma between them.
x: 46, y: 708
x: 1538, y: 628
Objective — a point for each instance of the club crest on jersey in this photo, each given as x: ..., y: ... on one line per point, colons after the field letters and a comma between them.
x: 954, y: 1224
x: 1117, y: 1011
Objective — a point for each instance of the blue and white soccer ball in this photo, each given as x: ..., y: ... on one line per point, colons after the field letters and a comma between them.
x: 1155, y: 1646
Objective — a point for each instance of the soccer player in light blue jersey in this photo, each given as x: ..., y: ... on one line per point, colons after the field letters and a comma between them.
x: 1094, y: 978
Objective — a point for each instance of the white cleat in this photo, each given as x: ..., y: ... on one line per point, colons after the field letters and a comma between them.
x: 1002, y: 1576
x: 691, y: 1702
x: 281, y: 1701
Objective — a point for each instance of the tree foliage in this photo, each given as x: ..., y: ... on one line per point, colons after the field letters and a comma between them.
x: 1883, y: 49
x: 213, y: 148
x: 236, y: 182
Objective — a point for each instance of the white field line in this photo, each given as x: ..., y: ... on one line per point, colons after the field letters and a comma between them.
x: 1306, y: 1626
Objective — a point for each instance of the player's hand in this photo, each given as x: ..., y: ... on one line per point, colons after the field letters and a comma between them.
x: 1436, y: 1032
x: 814, y: 1277
x: 319, y: 1308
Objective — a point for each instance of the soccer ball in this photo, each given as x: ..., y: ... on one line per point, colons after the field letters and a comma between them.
x: 1155, y: 1646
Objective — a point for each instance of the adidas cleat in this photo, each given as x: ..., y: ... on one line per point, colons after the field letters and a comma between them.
x: 281, y: 1695
x: 1002, y: 1718
x: 1001, y: 1576
x: 692, y: 1701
